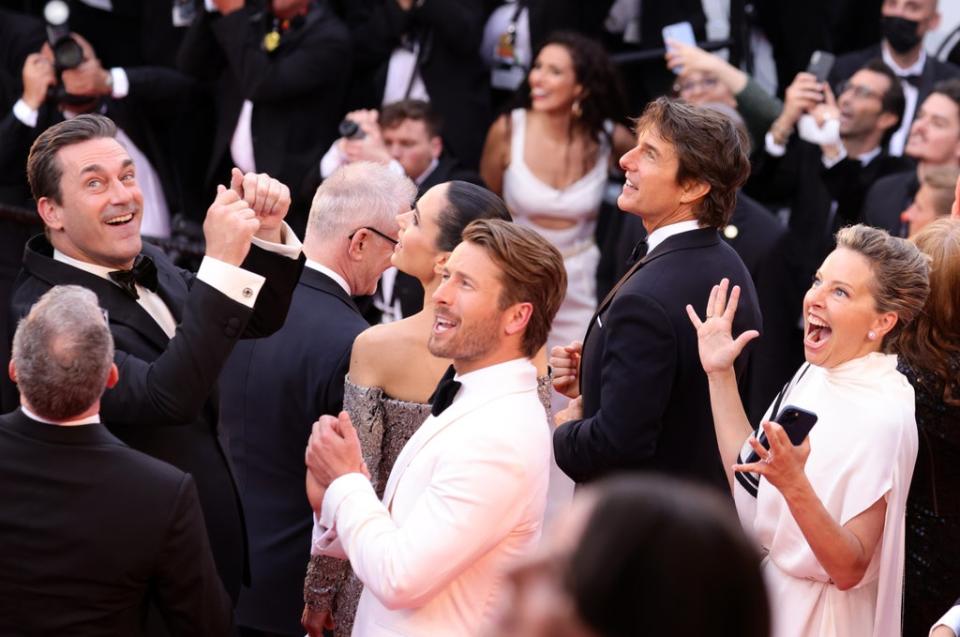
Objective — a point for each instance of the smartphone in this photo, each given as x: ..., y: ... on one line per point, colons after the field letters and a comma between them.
x: 795, y: 421
x: 821, y: 63
x: 681, y: 32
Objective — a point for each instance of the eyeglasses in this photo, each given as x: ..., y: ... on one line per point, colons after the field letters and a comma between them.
x: 687, y: 86
x: 374, y: 231
x: 859, y: 92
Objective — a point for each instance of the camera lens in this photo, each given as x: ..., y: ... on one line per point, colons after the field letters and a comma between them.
x: 350, y: 130
x: 67, y: 53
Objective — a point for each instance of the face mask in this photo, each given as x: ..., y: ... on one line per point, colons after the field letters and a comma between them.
x: 826, y: 135
x: 900, y: 33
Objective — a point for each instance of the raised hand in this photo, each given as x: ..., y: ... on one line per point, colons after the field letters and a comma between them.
x: 229, y: 227
x: 334, y: 449
x: 803, y: 94
x: 38, y: 76
x: 267, y: 197
x: 565, y: 362
x: 718, y: 348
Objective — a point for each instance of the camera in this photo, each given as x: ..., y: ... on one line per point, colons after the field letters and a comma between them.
x: 349, y: 129
x: 67, y: 53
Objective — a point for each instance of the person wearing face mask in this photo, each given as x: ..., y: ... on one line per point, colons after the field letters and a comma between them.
x: 904, y: 23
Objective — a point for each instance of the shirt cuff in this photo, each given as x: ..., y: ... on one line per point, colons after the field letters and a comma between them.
x: 772, y: 147
x: 332, y: 160
x: 290, y: 248
x: 234, y: 282
x: 337, y: 492
x: 210, y: 6
x: 951, y: 620
x: 26, y: 115
x: 121, y: 83
x: 830, y: 163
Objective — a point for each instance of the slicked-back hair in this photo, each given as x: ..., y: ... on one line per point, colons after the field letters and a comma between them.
x: 359, y: 194
x: 43, y: 168
x: 893, y: 100
x: 901, y: 273
x: 709, y: 148
x: 63, y: 351
x: 531, y: 271
x: 395, y: 113
x: 466, y: 202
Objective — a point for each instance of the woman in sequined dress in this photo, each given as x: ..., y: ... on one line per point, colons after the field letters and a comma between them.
x: 929, y: 352
x: 392, y: 373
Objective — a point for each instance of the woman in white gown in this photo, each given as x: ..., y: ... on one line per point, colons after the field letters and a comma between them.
x: 829, y: 513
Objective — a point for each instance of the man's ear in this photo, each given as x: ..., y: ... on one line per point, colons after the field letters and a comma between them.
x: 436, y: 146
x: 516, y: 317
x: 886, y: 121
x: 12, y: 371
x: 50, y: 212
x: 356, y: 246
x: 439, y: 261
x: 113, y: 376
x: 694, y: 190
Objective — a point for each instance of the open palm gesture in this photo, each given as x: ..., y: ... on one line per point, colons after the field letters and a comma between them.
x: 718, y: 348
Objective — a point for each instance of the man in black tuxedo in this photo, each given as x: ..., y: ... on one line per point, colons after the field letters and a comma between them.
x: 903, y: 23
x: 424, y: 50
x: 640, y: 397
x: 276, y: 387
x: 91, y: 530
x: 281, y: 72
x: 173, y: 330
x: 405, y: 136
x: 934, y: 141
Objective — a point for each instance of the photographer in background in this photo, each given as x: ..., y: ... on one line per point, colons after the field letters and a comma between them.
x: 53, y: 93
x: 405, y: 136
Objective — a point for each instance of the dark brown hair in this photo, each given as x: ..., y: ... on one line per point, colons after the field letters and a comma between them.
x: 395, y: 113
x: 43, y: 167
x: 710, y: 148
x: 932, y: 340
x: 653, y: 543
x: 531, y: 271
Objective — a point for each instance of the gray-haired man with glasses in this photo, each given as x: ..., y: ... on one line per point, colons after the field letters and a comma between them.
x: 275, y: 388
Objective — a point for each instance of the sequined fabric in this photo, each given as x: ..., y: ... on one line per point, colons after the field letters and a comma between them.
x: 932, y: 576
x: 384, y: 425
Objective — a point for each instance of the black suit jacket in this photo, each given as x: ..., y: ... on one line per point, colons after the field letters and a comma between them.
x: 646, y: 404
x: 888, y: 198
x: 273, y: 389
x: 91, y: 531
x: 453, y: 73
x: 298, y: 91
x: 166, y: 402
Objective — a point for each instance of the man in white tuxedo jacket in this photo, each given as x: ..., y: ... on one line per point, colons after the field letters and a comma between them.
x: 466, y: 496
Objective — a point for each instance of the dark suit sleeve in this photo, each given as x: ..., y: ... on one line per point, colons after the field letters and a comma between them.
x: 459, y: 23
x: 636, y: 382
x: 189, y: 592
x: 320, y: 58
x: 174, y: 387
x: 273, y: 302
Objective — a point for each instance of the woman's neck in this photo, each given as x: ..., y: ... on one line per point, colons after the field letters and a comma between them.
x: 555, y: 124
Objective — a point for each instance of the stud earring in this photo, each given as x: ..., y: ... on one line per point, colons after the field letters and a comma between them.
x: 872, y: 335
x: 576, y: 109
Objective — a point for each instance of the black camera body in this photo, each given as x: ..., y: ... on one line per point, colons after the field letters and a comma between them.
x: 349, y: 129
x: 67, y: 52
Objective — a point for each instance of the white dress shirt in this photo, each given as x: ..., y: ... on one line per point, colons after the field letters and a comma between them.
x: 322, y: 269
x: 951, y: 620
x: 663, y: 233
x: 89, y: 420
x: 910, y: 93
x: 465, y: 499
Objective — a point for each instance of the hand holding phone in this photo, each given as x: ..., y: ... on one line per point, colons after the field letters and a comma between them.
x: 796, y: 422
x: 681, y: 32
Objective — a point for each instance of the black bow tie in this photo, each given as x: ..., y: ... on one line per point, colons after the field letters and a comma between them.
x: 639, y: 251
x: 445, y: 392
x: 144, y: 272
x: 913, y: 80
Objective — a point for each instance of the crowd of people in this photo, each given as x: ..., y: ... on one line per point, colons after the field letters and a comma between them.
x: 483, y: 334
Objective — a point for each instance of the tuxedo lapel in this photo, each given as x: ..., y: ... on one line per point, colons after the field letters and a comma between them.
x: 433, y: 425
